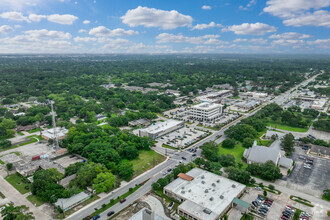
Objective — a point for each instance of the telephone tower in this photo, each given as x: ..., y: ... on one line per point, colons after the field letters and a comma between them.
x: 53, y: 114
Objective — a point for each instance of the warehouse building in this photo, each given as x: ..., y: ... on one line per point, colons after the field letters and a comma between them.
x: 159, y: 129
x: 73, y: 201
x: 206, y: 111
x: 204, y: 195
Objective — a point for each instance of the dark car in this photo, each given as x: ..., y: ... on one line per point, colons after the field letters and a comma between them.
x: 183, y: 158
x: 96, y: 217
x: 169, y: 170
x: 305, y: 148
x: 122, y: 200
x: 194, y: 155
x: 72, y: 156
x: 110, y: 213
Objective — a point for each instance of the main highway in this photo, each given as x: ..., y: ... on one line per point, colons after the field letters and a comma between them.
x: 174, y: 157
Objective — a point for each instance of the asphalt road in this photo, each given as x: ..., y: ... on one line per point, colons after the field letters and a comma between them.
x: 156, y: 172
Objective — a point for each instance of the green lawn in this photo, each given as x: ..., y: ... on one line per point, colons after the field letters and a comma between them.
x: 17, y: 181
x: 266, y: 143
x: 169, y: 147
x: 35, y: 200
x: 288, y: 128
x: 145, y: 161
x: 34, y: 130
x: 237, y: 152
x: 20, y: 133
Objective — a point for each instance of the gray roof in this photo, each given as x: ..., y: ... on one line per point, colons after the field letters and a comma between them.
x: 269, y: 134
x: 65, y: 181
x: 285, y: 162
x: 261, y: 154
x: 66, y: 203
x: 320, y: 150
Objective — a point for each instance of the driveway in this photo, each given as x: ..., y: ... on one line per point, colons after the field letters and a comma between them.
x: 156, y: 206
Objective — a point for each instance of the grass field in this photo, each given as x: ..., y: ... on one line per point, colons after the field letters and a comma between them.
x: 145, y: 161
x: 20, y: 133
x: 35, y: 200
x: 17, y: 181
x: 237, y: 152
x: 266, y: 143
x: 288, y: 128
x: 34, y: 130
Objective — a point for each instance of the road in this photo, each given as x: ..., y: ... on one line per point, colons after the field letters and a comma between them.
x: 175, y: 156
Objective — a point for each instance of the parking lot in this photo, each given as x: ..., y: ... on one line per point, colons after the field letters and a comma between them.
x: 182, y: 137
x: 311, y: 181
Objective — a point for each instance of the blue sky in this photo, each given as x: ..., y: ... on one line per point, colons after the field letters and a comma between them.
x: 158, y: 26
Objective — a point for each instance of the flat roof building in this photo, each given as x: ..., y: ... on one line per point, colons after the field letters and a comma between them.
x: 139, y: 122
x: 73, y: 201
x: 319, y: 104
x: 204, y: 195
x: 50, y: 134
x: 206, y: 111
x: 159, y: 129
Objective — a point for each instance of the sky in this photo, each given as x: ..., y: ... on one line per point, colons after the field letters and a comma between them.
x: 165, y: 26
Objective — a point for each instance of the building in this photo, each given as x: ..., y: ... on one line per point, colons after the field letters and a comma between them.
x: 161, y: 128
x: 262, y: 154
x: 50, y: 134
x: 319, y: 151
x: 214, y: 96
x: 139, y: 122
x: 204, y: 195
x: 73, y: 201
x: 27, y: 168
x: 146, y: 214
x: 319, y: 104
x: 101, y: 117
x: 66, y: 181
x: 248, y: 105
x: 206, y: 111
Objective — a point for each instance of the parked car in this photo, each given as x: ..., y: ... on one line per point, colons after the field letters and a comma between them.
x: 122, y: 200
x: 307, y: 166
x: 183, y: 158
x: 304, y: 148
x: 110, y: 213
x: 170, y: 206
x: 302, y: 157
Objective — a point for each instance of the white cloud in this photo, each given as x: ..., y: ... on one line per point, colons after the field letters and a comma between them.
x: 250, y: 29
x: 5, y: 29
x: 203, y: 26
x: 317, y: 18
x: 206, y: 7
x: 250, y: 4
x: 151, y: 17
x: 43, y: 33
x: 290, y: 35
x: 172, y: 38
x: 103, y: 31
x: 82, y: 31
x: 86, y: 22
x: 36, y: 18
x: 84, y: 39
x: 62, y: 19
x: 14, y: 15
x: 288, y: 8
x: 253, y: 40
x: 19, y: 4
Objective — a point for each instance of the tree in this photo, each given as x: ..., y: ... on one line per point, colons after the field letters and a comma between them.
x: 5, y: 143
x: 16, y: 213
x: 326, y: 194
x: 104, y: 182
x: 288, y: 143
x: 125, y: 170
x: 238, y: 175
x: 199, y: 161
x: 9, y: 167
x: 227, y: 160
x: 210, y: 151
x: 265, y: 193
x: 241, y: 131
x: 247, y: 142
x: 87, y: 174
x: 228, y: 143
x: 8, y: 123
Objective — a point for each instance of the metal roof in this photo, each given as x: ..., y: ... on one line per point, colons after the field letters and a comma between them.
x: 241, y: 203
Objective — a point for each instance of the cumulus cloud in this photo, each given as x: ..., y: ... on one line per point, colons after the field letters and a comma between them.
x: 203, y: 26
x: 103, y: 32
x: 86, y: 22
x: 19, y: 4
x: 172, y: 38
x: 5, y: 29
x: 250, y: 29
x: 151, y: 17
x: 285, y: 8
x: 62, y: 19
x: 36, y: 18
x: 253, y: 40
x: 250, y: 4
x: 206, y: 7
x: 44, y: 33
x: 82, y: 31
x: 84, y: 39
x: 14, y: 15
x: 317, y: 18
x: 290, y: 35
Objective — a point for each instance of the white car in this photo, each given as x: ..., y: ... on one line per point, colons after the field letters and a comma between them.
x: 307, y: 166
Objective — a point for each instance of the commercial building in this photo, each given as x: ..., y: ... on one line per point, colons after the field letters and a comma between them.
x: 206, y: 111
x: 159, y: 129
x: 214, y: 96
x: 204, y: 195
x: 50, y: 133
x: 319, y: 151
x: 319, y: 104
x: 73, y: 201
x: 139, y: 122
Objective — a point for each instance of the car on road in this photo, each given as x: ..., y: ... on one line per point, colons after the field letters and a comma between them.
x: 96, y: 217
x: 110, y: 213
x: 122, y: 200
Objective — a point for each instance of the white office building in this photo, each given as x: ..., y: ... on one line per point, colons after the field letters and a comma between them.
x: 159, y: 129
x: 206, y: 111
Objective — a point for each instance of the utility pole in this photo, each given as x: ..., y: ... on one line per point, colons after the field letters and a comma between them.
x: 53, y: 114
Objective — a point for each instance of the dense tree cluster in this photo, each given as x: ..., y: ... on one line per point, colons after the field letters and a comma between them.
x: 267, y: 171
x: 11, y: 212
x: 287, y: 143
